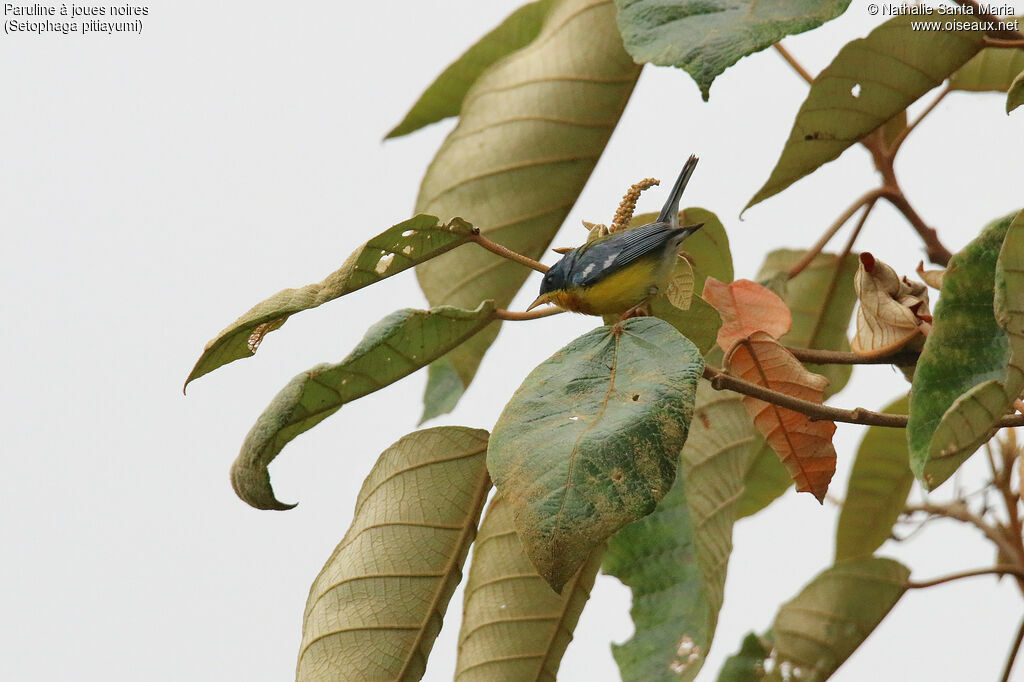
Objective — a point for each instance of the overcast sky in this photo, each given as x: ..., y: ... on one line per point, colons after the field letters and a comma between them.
x: 154, y: 187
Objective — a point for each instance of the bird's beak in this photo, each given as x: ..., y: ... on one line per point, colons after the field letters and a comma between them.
x: 540, y: 300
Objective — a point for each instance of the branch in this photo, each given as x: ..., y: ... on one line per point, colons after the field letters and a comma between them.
x: 995, y: 570
x: 868, y: 198
x: 989, y: 17
x: 959, y: 512
x: 1013, y: 653
x: 494, y: 247
x: 835, y: 357
x: 1004, y: 42
x: 816, y: 411
x: 936, y: 252
x: 501, y: 314
x: 894, y: 147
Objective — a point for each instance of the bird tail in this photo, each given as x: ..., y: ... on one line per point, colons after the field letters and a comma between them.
x: 670, y: 213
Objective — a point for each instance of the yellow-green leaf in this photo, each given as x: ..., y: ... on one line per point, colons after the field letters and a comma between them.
x: 991, y: 70
x: 513, y: 626
x: 871, y: 80
x: 969, y: 371
x: 819, y: 628
x: 394, y: 348
x: 396, y: 249
x: 377, y: 605
x: 1015, y: 95
x: 878, y: 488
x: 675, y: 560
x: 531, y: 129
x: 590, y: 441
x: 444, y: 96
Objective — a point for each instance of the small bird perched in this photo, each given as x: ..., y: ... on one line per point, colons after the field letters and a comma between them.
x: 618, y: 273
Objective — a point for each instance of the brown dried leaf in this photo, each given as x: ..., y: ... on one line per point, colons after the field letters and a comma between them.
x: 932, y: 278
x: 891, y: 309
x: 803, y: 446
x: 746, y: 307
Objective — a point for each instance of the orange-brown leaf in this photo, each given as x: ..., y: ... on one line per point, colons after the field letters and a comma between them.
x: 891, y: 309
x: 803, y: 446
x: 746, y: 307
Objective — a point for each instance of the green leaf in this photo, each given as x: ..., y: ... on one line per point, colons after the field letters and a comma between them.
x: 821, y: 299
x: 444, y: 96
x: 706, y: 38
x: 395, y: 347
x: 531, y: 129
x: 1015, y: 95
x: 513, y: 626
x: 747, y: 664
x: 878, y: 488
x: 675, y: 560
x: 377, y: 605
x: 958, y: 390
x: 893, y: 66
x: 819, y: 628
x: 590, y: 440
x: 991, y: 70
x: 398, y: 248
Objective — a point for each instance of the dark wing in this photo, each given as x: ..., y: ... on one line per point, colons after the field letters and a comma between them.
x: 618, y: 251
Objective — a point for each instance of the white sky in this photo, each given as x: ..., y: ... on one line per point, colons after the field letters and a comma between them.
x: 153, y: 188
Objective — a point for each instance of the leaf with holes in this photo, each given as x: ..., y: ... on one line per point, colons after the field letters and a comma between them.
x: 396, y: 249
x: 675, y: 560
x: 445, y: 95
x: 377, y: 605
x: 991, y: 70
x: 891, y: 310
x: 819, y: 628
x: 746, y: 307
x: 530, y: 131
x: 803, y: 446
x: 513, y: 626
x: 395, y: 347
x: 871, y: 80
x: 706, y: 38
x: 878, y: 488
x: 968, y: 376
x: 590, y: 441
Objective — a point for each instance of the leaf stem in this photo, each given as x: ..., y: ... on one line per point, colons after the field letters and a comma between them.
x: 866, y: 199
x: 894, y: 147
x: 502, y: 314
x: 511, y: 255
x: 1008, y: 668
x: 791, y: 60
x: 995, y: 570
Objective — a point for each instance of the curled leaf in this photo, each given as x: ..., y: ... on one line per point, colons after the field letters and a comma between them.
x: 396, y: 249
x: 804, y: 446
x: 590, y: 441
x: 891, y: 309
x: 746, y: 307
x: 394, y: 348
x: 1015, y: 95
x: 991, y: 70
x: 932, y: 278
x: 377, y: 605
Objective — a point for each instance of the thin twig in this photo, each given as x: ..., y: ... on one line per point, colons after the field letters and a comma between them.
x: 959, y: 512
x: 894, y: 147
x: 812, y: 253
x: 511, y: 255
x: 934, y: 249
x: 995, y: 570
x: 1014, y: 648
x: 791, y: 60
x: 501, y: 314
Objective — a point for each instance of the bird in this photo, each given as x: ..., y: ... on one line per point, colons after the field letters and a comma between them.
x: 616, y: 274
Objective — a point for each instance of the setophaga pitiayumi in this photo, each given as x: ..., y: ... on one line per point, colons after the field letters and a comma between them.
x: 618, y: 273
